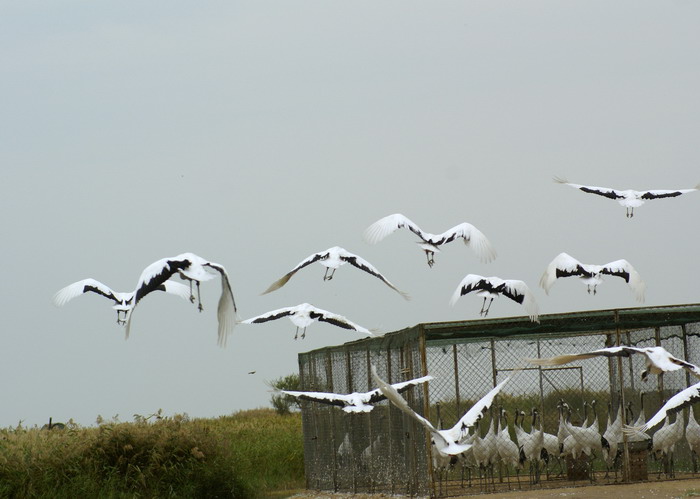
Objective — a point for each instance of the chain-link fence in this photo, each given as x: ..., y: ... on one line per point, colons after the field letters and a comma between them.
x: 548, y: 427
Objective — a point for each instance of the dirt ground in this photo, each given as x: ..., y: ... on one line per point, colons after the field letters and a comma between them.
x: 646, y: 490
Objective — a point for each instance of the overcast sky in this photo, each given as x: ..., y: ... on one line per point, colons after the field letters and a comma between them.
x: 256, y: 133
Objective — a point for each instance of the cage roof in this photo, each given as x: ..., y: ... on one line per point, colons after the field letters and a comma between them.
x: 592, y: 321
x: 611, y: 320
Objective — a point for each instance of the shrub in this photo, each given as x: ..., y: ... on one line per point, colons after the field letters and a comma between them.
x: 242, y: 455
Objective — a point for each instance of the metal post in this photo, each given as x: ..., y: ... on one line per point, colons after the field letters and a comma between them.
x: 456, y: 369
x: 629, y: 363
x: 611, y: 369
x: 329, y: 371
x: 686, y: 353
x: 308, y: 469
x: 657, y: 336
x: 331, y: 420
x: 370, y: 383
x: 626, y: 470
x: 343, y: 421
x: 494, y: 371
x: 414, y: 457
x: 311, y: 409
x: 494, y: 375
x: 539, y: 372
x: 426, y: 409
x: 348, y: 369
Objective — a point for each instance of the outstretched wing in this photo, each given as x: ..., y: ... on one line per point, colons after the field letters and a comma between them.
x: 286, y: 277
x: 563, y: 265
x: 324, y: 398
x: 470, y: 418
x: 472, y: 236
x: 89, y: 285
x: 337, y: 320
x: 342, y: 400
x: 622, y: 268
x: 443, y: 444
x: 472, y: 282
x: 395, y: 398
x: 271, y: 316
x: 601, y: 191
x: 692, y: 368
x: 682, y: 399
x: 388, y: 225
x: 176, y: 288
x: 661, y: 193
x: 377, y: 395
x: 363, y: 264
x: 621, y: 351
x: 226, y: 312
x: 156, y: 274
x: 519, y: 292
x: 152, y: 279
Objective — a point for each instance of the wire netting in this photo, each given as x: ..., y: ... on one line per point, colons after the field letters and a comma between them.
x: 549, y: 426
x: 379, y: 451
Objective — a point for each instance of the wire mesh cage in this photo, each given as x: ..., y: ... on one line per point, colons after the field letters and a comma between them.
x: 549, y: 426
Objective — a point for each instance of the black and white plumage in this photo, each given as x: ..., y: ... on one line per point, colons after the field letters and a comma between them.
x: 584, y: 439
x: 531, y: 442
x: 332, y: 258
x: 192, y: 268
x: 684, y: 398
x: 355, y: 402
x: 564, y: 265
x: 563, y: 430
x: 446, y: 442
x: 123, y: 302
x: 658, y: 359
x: 628, y: 198
x: 490, y: 287
x: 304, y: 315
x: 430, y: 243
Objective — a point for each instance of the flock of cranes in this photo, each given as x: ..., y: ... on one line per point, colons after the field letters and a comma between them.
x: 462, y: 440
x: 195, y: 269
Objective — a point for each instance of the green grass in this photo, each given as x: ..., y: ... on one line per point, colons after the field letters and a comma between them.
x: 247, y: 454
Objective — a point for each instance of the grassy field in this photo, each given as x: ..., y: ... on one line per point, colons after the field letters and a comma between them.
x: 247, y: 454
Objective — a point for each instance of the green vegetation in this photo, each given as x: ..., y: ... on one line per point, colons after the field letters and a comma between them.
x: 247, y: 454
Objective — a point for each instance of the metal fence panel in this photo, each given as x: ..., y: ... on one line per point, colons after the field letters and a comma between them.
x: 387, y: 451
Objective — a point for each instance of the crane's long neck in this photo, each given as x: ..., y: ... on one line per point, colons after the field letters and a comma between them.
x: 595, y: 415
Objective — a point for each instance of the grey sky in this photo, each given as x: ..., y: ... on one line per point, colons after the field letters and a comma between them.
x: 257, y: 133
